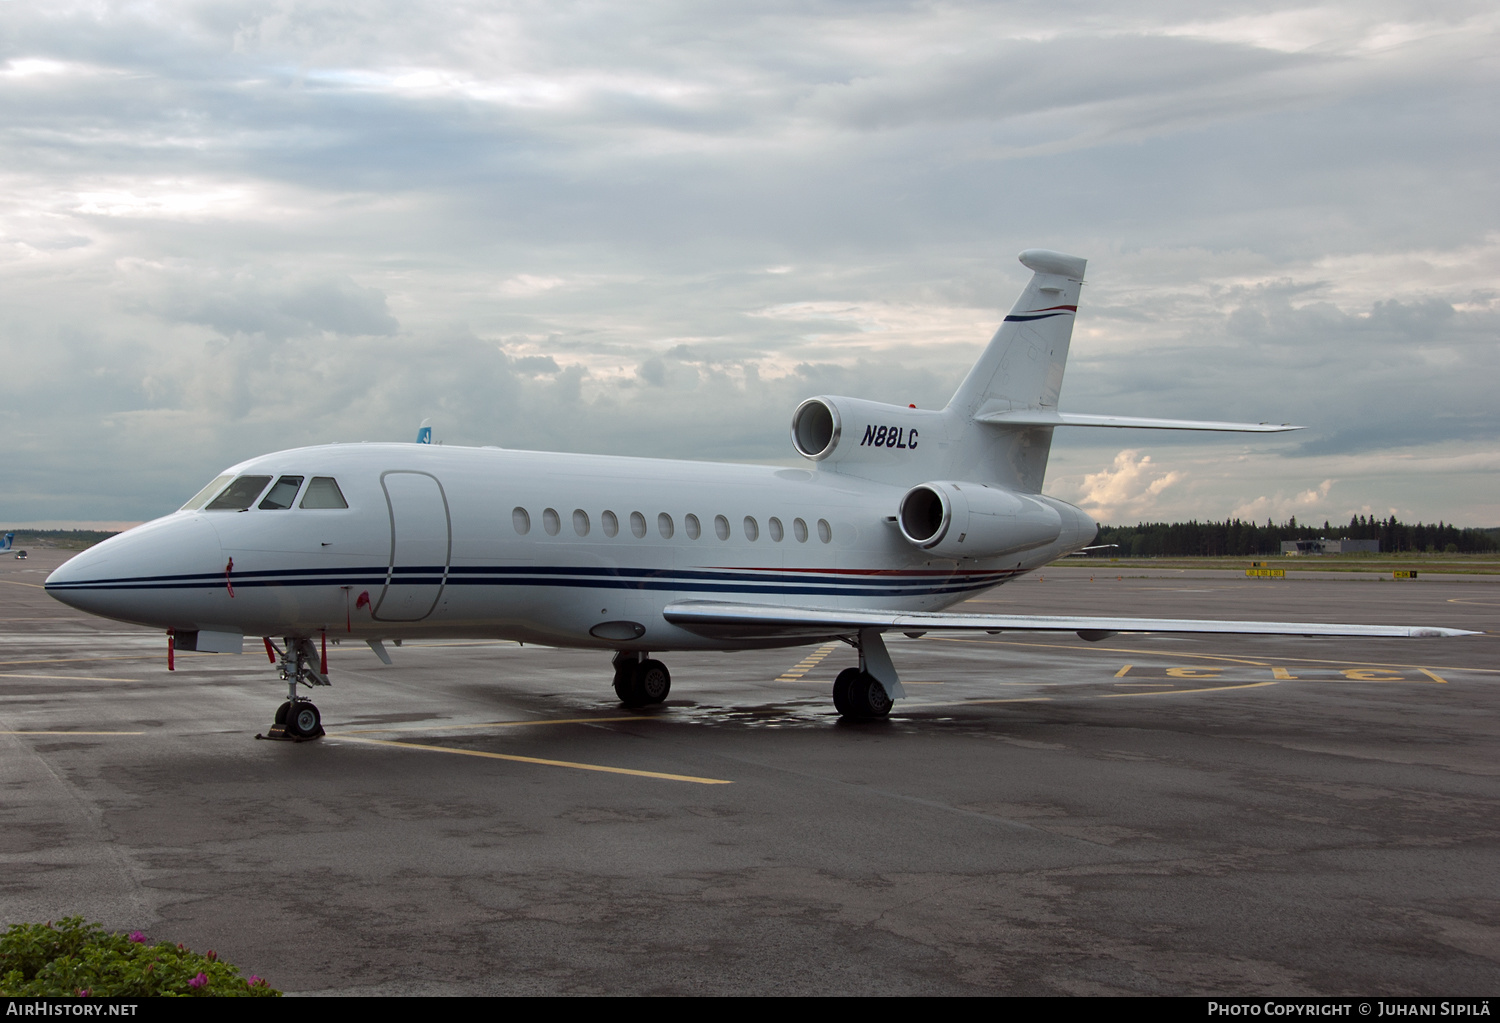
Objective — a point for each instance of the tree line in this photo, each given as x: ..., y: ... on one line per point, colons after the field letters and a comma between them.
x: 1237, y: 538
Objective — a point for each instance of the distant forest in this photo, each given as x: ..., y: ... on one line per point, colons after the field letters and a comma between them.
x: 1235, y: 538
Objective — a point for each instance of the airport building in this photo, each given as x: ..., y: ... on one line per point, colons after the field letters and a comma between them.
x: 1323, y: 545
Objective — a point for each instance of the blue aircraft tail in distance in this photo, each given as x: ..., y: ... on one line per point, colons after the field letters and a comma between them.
x: 424, y: 432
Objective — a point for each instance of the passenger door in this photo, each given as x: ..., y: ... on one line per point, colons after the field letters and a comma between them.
x: 421, y: 542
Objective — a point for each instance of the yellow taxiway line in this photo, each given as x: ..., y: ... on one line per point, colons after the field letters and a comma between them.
x: 1179, y: 692
x: 40, y: 732
x: 495, y: 724
x: 537, y: 760
x: 70, y: 678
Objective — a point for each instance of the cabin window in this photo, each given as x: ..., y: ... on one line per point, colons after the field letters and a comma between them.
x: 580, y: 522
x: 323, y: 492
x: 752, y: 529
x: 799, y: 529
x: 691, y: 527
x: 825, y: 531
x: 609, y: 523
x: 721, y: 527
x: 664, y: 526
x: 283, y: 494
x: 774, y: 526
x: 638, y: 525
x: 240, y: 495
x: 521, y: 520
x: 550, y: 522
x: 201, y: 497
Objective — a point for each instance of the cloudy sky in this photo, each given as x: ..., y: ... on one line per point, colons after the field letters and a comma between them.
x: 652, y: 227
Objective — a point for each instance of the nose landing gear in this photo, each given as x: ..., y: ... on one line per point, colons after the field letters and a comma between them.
x: 298, y: 718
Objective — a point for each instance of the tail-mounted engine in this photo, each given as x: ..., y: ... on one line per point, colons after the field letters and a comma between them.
x: 849, y: 430
x: 971, y: 520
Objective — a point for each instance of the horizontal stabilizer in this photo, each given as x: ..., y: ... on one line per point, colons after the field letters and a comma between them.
x: 1047, y: 417
x: 719, y: 620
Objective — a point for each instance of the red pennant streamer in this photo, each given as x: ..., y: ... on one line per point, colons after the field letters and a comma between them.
x: 227, y: 569
x: 171, y: 645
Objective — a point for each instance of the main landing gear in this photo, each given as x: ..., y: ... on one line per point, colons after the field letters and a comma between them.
x: 640, y: 681
x: 868, y: 692
x: 859, y: 696
x: 297, y: 719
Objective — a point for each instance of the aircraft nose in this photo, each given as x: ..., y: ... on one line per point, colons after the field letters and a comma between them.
x: 142, y: 575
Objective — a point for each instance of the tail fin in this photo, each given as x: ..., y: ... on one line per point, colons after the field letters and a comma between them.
x: 1023, y: 365
x: 424, y: 432
x: 10, y: 539
x: 1022, y: 368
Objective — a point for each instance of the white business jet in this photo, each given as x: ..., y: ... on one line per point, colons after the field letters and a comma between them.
x: 900, y: 513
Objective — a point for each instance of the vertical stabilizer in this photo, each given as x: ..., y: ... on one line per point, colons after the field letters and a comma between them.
x: 1023, y: 365
x: 1022, y: 368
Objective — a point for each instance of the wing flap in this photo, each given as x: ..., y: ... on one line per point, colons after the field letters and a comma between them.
x: 724, y: 620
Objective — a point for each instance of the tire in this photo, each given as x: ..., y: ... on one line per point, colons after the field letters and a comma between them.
x: 841, y: 690
x: 304, y: 720
x: 281, y: 713
x: 868, y: 699
x: 652, y: 682
x: 628, y: 687
x: 622, y: 684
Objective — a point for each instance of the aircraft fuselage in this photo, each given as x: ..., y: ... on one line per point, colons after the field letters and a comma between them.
x: 540, y: 547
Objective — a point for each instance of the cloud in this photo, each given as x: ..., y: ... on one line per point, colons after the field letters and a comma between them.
x: 276, y: 308
x: 1130, y: 487
x: 233, y: 227
x: 1309, y: 504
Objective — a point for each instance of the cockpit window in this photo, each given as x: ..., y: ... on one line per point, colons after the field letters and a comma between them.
x: 282, y: 494
x: 323, y: 492
x: 202, y: 496
x: 240, y: 494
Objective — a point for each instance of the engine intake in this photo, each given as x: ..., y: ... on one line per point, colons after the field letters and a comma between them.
x: 815, y: 429
x: 971, y: 520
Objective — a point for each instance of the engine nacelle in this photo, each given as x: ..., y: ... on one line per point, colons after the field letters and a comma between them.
x: 971, y: 520
x: 853, y: 430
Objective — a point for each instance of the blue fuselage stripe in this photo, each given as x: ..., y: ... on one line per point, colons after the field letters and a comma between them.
x: 610, y: 578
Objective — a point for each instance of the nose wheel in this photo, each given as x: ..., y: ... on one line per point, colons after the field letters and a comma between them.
x: 305, y: 722
x: 298, y: 719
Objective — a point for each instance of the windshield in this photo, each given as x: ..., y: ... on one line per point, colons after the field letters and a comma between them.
x: 239, y: 495
x: 282, y: 494
x: 201, y: 497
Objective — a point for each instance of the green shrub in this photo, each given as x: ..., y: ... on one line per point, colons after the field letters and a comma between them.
x: 74, y: 958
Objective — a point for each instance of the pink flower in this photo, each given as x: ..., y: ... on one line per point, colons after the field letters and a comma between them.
x: 198, y: 981
x: 137, y: 937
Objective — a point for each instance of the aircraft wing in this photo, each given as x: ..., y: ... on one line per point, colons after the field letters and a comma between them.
x: 1047, y: 417
x: 723, y: 620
